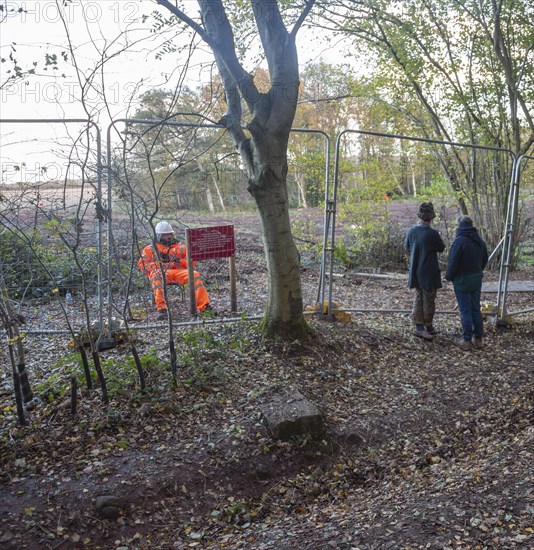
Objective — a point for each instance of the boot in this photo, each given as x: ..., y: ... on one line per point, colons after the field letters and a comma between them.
x: 477, y: 342
x: 162, y: 315
x: 465, y: 345
x: 423, y: 334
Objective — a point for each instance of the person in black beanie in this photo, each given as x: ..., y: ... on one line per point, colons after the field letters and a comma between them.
x: 422, y: 244
x: 467, y: 259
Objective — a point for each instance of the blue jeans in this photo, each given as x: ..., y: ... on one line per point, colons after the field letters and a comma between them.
x: 469, y: 306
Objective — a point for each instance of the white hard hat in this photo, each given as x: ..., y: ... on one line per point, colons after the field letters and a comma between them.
x: 164, y: 227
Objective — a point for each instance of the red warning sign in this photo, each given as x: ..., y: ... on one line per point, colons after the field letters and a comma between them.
x: 206, y: 243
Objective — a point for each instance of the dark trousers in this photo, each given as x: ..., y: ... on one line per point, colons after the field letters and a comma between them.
x: 469, y: 306
x: 424, y: 306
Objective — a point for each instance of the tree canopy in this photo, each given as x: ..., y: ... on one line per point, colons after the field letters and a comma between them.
x: 459, y: 71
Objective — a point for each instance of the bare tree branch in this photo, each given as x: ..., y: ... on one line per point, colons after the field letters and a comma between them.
x: 305, y: 12
x: 186, y: 19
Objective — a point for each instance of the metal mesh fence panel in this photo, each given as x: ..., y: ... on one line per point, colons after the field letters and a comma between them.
x: 54, y: 245
x: 50, y: 225
x: 377, y: 174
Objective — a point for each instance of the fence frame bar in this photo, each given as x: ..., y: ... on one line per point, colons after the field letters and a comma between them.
x: 328, y: 246
x: 182, y: 124
x: 99, y: 208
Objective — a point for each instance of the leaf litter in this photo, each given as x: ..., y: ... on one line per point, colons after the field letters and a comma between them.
x: 426, y: 446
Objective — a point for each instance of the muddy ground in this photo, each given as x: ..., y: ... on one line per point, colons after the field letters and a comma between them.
x: 426, y: 446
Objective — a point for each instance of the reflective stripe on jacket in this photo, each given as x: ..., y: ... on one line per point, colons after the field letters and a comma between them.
x: 172, y: 257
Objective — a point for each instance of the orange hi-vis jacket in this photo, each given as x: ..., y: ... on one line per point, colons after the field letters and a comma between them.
x: 174, y: 265
x: 172, y: 257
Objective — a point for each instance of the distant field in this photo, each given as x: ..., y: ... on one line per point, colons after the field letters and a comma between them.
x: 48, y: 198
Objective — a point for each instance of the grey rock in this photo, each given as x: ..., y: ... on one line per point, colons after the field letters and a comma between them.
x: 288, y: 413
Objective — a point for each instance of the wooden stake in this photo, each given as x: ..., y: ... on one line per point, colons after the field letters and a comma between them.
x: 233, y: 283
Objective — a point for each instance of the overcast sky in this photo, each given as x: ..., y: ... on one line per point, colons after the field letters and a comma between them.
x: 113, y: 29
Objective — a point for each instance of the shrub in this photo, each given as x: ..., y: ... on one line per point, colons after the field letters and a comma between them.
x: 375, y: 246
x: 371, y: 240
x: 28, y: 263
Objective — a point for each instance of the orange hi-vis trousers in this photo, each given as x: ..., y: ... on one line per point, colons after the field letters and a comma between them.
x: 177, y: 276
x: 174, y: 264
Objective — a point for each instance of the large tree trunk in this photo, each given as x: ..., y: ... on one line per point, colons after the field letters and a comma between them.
x: 283, y: 313
x: 264, y: 154
x: 266, y: 157
x: 283, y: 316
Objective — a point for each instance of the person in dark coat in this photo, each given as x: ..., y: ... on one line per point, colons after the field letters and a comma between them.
x: 422, y: 244
x: 467, y: 259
